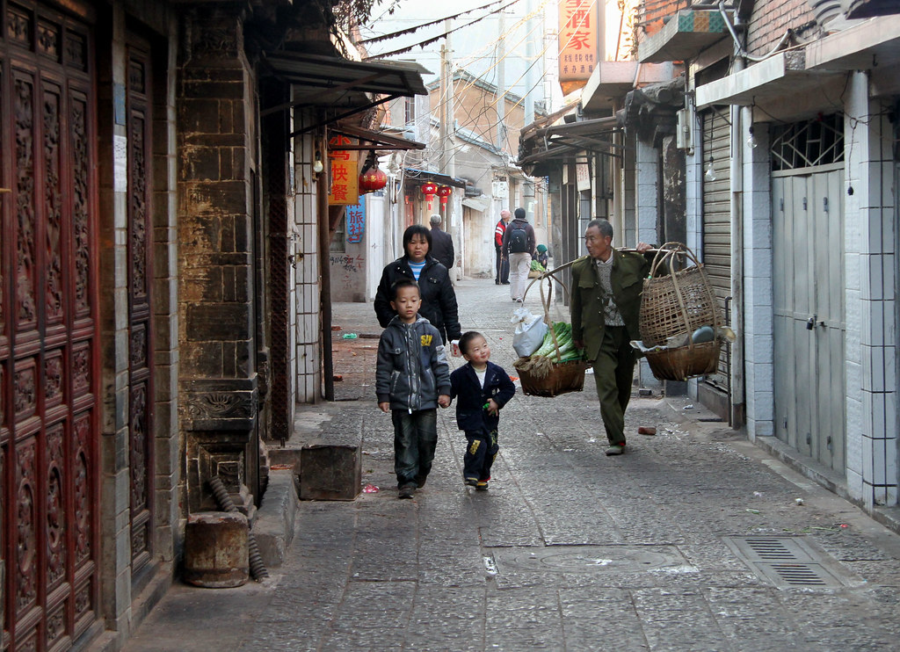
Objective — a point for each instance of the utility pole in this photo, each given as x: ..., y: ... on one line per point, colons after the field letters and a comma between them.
x: 531, y: 71
x: 449, y: 158
x: 448, y: 132
x: 501, y: 84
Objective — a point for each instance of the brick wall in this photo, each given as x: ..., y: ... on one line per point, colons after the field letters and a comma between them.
x: 652, y: 13
x: 771, y: 18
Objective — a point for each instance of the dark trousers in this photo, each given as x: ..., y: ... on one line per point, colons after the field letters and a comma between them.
x: 501, y: 269
x: 415, y: 438
x: 481, y: 450
x: 614, y: 374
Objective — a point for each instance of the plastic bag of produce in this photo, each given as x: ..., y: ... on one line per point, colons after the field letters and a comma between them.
x: 530, y: 331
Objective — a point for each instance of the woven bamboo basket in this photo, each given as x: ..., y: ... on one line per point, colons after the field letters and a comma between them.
x: 563, y: 377
x: 676, y: 305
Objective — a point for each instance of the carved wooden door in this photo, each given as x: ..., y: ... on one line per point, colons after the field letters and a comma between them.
x: 140, y: 278
x: 49, y: 358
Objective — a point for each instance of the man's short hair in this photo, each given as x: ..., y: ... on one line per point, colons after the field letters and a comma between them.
x: 520, y: 213
x: 466, y: 339
x: 435, y: 219
x: 399, y: 284
x: 606, y: 229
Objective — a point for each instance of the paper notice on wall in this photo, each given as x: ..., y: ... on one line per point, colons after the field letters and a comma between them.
x: 120, y: 164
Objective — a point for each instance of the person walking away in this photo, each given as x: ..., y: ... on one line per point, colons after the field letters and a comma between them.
x: 412, y: 377
x: 483, y: 388
x: 436, y: 291
x: 518, y: 247
x: 502, y: 272
x: 605, y: 305
x: 441, y: 244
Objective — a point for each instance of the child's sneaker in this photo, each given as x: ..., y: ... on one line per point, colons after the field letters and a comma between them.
x: 407, y: 491
x: 482, y: 485
x: 471, y: 482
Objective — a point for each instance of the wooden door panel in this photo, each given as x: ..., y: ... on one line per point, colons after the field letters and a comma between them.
x: 48, y: 355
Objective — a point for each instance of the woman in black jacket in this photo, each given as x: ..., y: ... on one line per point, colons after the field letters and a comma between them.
x: 438, y: 297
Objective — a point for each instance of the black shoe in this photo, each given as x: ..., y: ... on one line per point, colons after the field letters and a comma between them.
x: 504, y: 282
x: 471, y: 482
x: 482, y: 485
x: 407, y: 491
x: 496, y: 282
x: 420, y: 480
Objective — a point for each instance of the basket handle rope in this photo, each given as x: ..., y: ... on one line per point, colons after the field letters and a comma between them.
x: 549, y: 276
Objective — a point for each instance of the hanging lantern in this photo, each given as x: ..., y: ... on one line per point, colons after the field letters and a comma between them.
x: 429, y: 189
x: 372, y: 179
x: 444, y: 193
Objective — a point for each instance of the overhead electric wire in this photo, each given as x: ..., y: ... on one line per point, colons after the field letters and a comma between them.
x: 410, y: 30
x: 440, y: 36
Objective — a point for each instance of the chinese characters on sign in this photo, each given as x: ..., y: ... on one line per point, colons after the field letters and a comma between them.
x: 578, y: 41
x: 356, y: 222
x: 344, y: 173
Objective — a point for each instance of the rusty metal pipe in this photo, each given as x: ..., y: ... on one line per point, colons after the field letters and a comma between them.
x: 257, y: 567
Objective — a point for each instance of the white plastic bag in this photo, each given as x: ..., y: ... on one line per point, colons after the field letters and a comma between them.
x: 530, y: 331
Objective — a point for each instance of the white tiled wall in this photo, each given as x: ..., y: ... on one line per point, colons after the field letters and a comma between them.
x: 757, y: 321
x: 871, y: 339
x: 306, y: 272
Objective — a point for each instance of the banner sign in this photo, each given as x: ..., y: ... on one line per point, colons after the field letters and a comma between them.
x: 344, y: 173
x: 356, y: 222
x: 578, y: 41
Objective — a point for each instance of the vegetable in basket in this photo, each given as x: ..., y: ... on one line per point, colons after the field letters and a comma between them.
x: 541, y: 361
x: 537, y: 267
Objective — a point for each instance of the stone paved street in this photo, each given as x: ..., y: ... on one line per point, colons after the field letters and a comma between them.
x: 569, y: 550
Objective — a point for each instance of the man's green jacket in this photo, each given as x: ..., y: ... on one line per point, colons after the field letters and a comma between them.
x: 627, y: 279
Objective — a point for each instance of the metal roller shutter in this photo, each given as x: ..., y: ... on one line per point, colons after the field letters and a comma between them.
x: 717, y: 221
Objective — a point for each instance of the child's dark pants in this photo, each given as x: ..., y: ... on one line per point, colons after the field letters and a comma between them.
x: 480, y: 453
x: 415, y: 438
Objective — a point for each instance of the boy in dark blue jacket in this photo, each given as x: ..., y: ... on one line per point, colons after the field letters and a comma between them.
x: 482, y: 389
x: 412, y: 377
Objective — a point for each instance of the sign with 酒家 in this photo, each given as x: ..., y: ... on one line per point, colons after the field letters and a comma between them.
x: 578, y: 42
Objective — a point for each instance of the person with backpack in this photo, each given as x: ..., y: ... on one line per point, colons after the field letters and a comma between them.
x: 502, y: 275
x: 518, y: 247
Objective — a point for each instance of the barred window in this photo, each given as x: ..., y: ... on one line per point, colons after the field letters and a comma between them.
x: 807, y: 144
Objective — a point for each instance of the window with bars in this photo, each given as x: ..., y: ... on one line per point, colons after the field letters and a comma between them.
x: 807, y: 144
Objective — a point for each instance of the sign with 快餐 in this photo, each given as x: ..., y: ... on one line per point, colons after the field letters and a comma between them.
x: 344, y: 188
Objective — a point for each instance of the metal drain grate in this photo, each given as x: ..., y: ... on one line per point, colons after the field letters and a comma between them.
x: 787, y: 561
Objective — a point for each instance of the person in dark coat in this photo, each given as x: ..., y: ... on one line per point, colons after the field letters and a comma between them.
x: 482, y: 389
x: 607, y: 287
x: 441, y: 244
x: 438, y: 297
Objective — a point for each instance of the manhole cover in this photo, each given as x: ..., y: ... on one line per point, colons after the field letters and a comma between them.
x: 590, y: 559
x: 788, y: 561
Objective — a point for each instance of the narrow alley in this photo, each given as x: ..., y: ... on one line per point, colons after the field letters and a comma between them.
x: 693, y: 540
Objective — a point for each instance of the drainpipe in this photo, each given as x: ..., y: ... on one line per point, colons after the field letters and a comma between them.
x: 325, y: 276
x: 738, y: 400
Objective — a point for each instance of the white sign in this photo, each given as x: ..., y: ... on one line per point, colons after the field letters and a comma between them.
x: 120, y: 164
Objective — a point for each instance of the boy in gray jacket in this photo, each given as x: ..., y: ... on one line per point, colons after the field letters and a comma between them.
x: 412, y: 378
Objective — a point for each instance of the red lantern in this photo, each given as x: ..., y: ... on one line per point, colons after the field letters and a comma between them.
x: 429, y: 189
x: 444, y: 193
x: 372, y: 179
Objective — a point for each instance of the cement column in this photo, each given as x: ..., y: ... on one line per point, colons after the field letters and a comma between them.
x: 870, y: 298
x: 216, y: 135
x: 646, y: 220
